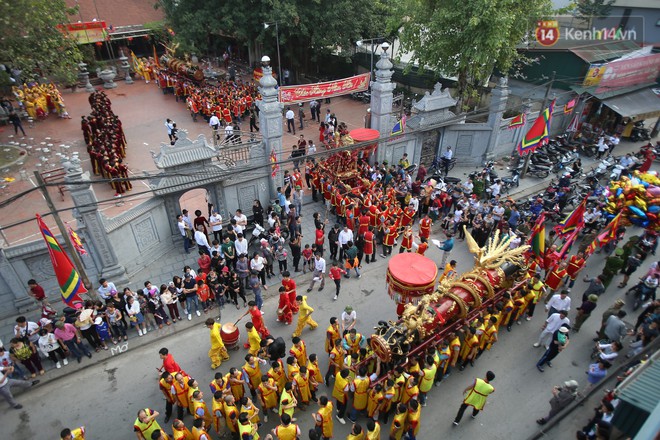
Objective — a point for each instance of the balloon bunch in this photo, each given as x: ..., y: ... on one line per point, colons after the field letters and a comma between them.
x: 637, y: 197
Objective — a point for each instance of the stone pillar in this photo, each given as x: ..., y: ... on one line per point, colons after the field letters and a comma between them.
x: 270, y: 120
x: 86, y: 205
x: 498, y: 100
x: 382, y: 94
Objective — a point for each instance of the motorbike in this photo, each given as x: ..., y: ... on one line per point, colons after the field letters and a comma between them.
x: 510, y: 182
x: 646, y: 245
x: 640, y: 133
x: 643, y: 291
x: 258, y: 233
x: 539, y: 171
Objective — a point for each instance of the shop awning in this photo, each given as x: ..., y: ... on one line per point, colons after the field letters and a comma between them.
x: 642, y: 104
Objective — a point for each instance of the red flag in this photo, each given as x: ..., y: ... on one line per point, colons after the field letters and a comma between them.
x: 77, y: 243
x: 518, y: 121
x: 569, y: 106
x: 71, y: 285
x: 275, y: 167
x: 573, y: 221
x: 568, y: 243
x: 539, y: 133
x: 608, y: 234
x: 537, y: 239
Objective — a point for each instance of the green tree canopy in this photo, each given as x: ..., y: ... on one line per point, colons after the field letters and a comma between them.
x: 306, y: 27
x: 30, y: 40
x: 469, y: 39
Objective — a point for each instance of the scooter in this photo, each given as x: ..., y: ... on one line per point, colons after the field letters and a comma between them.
x: 643, y: 292
x: 510, y: 182
x: 258, y: 233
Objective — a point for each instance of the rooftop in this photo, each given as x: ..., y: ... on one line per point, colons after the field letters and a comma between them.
x: 117, y: 13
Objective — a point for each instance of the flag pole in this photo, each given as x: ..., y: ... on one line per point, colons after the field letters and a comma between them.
x: 545, y: 102
x: 60, y: 225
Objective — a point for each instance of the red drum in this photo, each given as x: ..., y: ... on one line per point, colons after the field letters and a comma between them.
x: 229, y: 335
x: 409, y: 277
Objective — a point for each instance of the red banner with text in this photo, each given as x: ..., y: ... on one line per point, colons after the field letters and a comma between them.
x: 329, y: 89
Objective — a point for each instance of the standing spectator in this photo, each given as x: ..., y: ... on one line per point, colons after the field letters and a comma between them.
x: 301, y: 115
x: 616, y: 307
x: 596, y: 372
x: 633, y: 262
x: 202, y: 240
x: 190, y: 291
x: 21, y: 349
x: 243, y: 270
x: 343, y: 238
x: 169, y: 126
x: 281, y: 256
x: 559, y: 342
x: 85, y: 323
x: 561, y: 398
x: 560, y: 301
x: 6, y: 383
x: 106, y: 289
x: 257, y: 213
x: 50, y: 348
x: 313, y: 109
x: 333, y: 236
x: 186, y: 233
x: 255, y: 284
x: 113, y: 316
x: 446, y: 246
x: 36, y: 291
x: 16, y: 122
x: 215, y: 221
x: 596, y: 287
x: 551, y: 325
x: 26, y: 329
x: 290, y: 120
x: 319, y: 272
x: 584, y: 311
x: 135, y: 316
x: 6, y: 361
x: 615, y: 328
x: 72, y: 338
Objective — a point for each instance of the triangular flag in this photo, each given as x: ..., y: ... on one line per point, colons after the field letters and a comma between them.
x: 518, y: 121
x: 569, y: 106
x: 539, y: 133
x: 573, y: 221
x: 71, y: 285
x: 537, y: 239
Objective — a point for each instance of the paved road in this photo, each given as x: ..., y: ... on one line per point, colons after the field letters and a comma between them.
x: 106, y: 397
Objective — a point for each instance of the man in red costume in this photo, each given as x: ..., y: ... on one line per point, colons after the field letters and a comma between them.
x: 575, y: 265
x: 290, y: 287
x: 283, y: 308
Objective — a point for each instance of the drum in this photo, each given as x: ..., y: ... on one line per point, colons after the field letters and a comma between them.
x: 229, y: 335
x: 409, y: 277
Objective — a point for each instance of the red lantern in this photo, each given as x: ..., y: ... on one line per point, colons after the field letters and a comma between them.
x: 146, y: 37
x: 99, y: 43
x: 130, y: 39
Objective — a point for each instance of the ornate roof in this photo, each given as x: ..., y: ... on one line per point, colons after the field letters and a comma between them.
x: 184, y: 151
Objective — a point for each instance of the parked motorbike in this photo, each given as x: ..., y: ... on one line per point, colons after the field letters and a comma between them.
x: 510, y: 182
x: 640, y: 133
x: 258, y: 233
x: 643, y: 292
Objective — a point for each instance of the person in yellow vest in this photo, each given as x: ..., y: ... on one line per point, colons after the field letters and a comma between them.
x: 353, y: 341
x: 165, y: 385
x: 292, y: 368
x: 398, y: 422
x: 199, y: 431
x: 340, y: 392
x: 489, y: 336
x: 287, y: 430
x: 360, y: 388
x: 180, y: 391
x: 302, y: 388
x: 331, y: 334
x: 218, y: 352
x: 507, y: 309
x: 427, y: 379
x: 252, y: 411
x: 252, y: 373
x: 217, y: 412
x: 145, y: 423
x: 455, y: 349
x: 236, y: 383
x: 73, y: 434
x: 193, y: 386
x: 389, y: 393
x: 410, y: 391
x: 277, y: 373
x: 413, y: 420
x: 246, y: 429
x: 519, y: 305
x: 375, y: 400
x: 180, y: 432
x: 288, y: 401
x: 220, y: 383
x: 254, y: 340
x: 475, y: 396
x: 231, y: 414
x: 373, y: 430
x: 335, y: 361
x: 304, y: 316
x: 267, y: 395
x: 470, y: 348
x: 323, y: 423
x: 399, y: 383
x: 200, y: 410
x: 357, y: 433
x: 299, y: 351
x: 351, y: 361
x: 537, y: 287
x: 315, y: 377
x: 159, y: 435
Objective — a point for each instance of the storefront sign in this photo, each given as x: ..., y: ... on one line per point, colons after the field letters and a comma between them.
x: 629, y: 72
x: 594, y: 75
x: 329, y: 89
x: 88, y: 32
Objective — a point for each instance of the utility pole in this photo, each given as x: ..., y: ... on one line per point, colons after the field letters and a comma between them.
x: 545, y: 102
x: 60, y: 225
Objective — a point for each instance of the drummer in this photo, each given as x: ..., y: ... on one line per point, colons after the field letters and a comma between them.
x: 257, y: 319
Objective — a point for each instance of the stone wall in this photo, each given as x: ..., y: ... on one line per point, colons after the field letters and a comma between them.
x: 469, y: 142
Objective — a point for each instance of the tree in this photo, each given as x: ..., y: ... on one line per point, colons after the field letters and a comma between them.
x: 470, y: 41
x: 587, y: 10
x: 30, y: 40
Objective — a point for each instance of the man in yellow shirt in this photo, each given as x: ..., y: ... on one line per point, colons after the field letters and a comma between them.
x: 218, y: 352
x: 427, y: 379
x: 323, y: 418
x: 475, y: 396
x: 449, y: 272
x: 254, y: 340
x: 373, y: 430
x: 304, y: 316
x: 73, y: 434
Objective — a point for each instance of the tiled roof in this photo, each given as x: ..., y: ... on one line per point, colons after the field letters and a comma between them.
x: 117, y: 12
x: 184, y: 152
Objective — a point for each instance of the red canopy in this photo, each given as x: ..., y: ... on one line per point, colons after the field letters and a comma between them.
x: 412, y: 269
x: 364, y: 134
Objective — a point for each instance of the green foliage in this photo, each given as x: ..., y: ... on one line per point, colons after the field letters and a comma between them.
x: 31, y: 41
x: 306, y: 27
x: 470, y: 41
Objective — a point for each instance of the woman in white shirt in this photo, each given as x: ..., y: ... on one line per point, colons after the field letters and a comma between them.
x: 215, y: 220
x: 49, y: 346
x: 258, y: 263
x: 135, y: 316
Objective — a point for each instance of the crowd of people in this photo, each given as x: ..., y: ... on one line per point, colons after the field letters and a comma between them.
x: 106, y: 143
x: 39, y: 100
